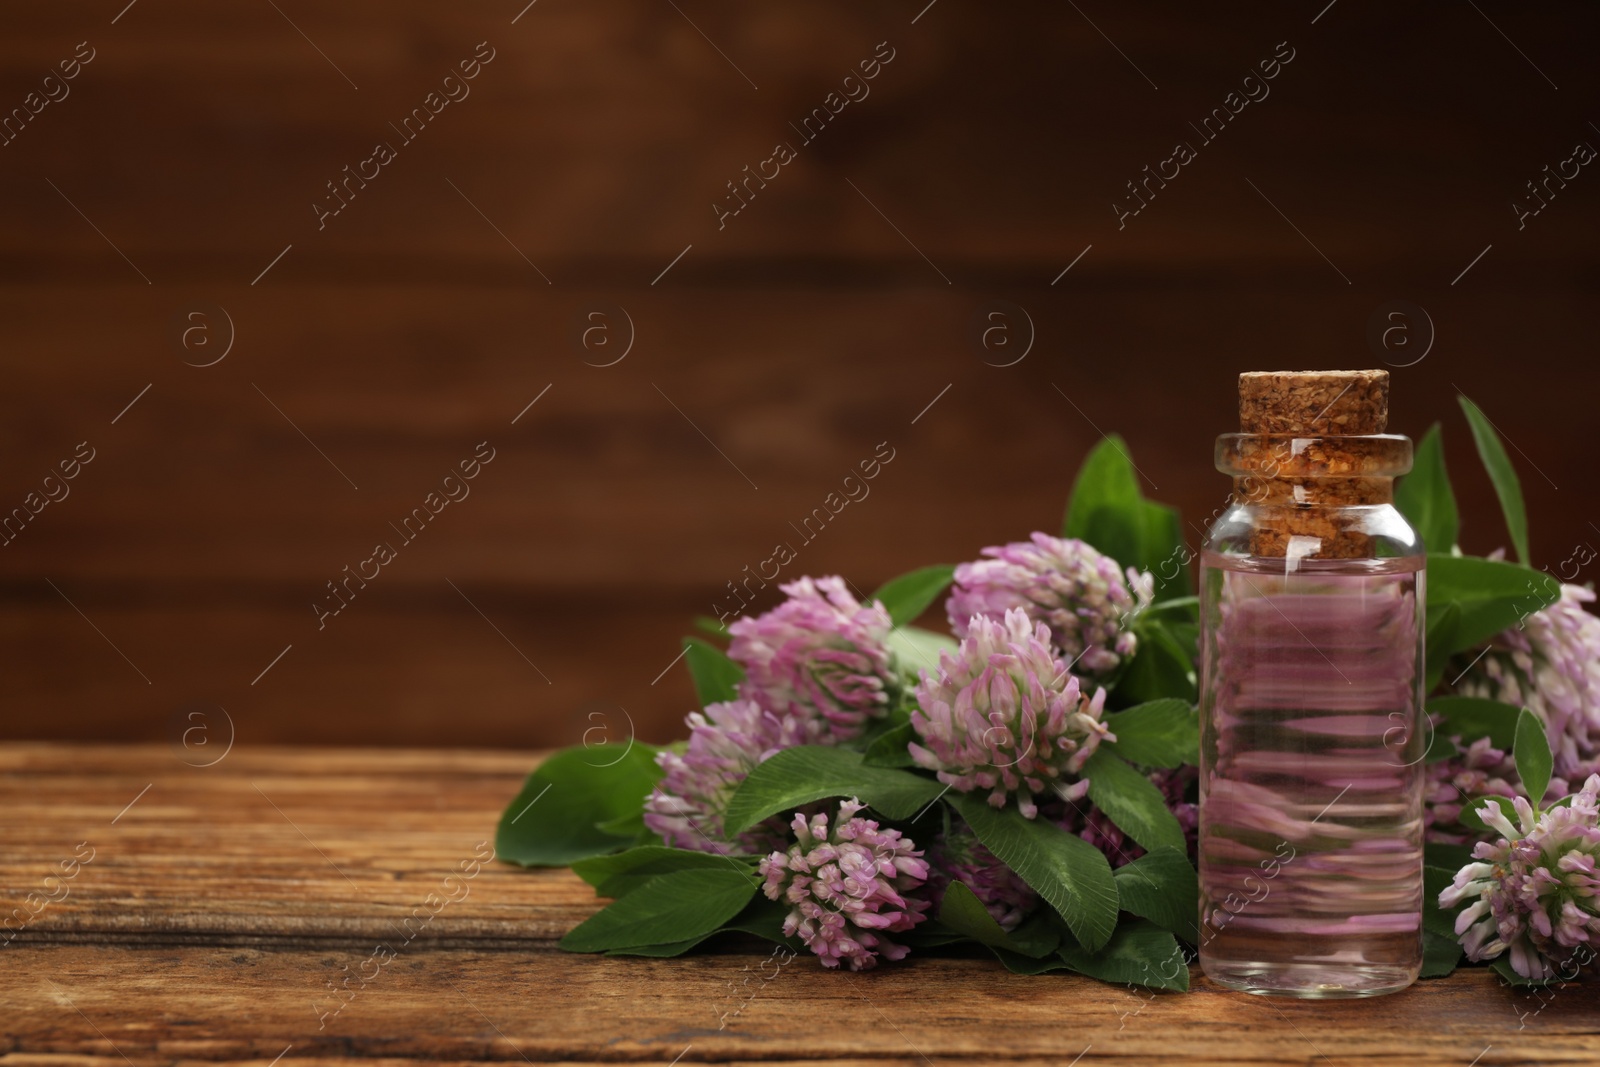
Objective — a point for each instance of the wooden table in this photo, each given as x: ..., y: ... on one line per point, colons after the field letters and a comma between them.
x: 219, y: 904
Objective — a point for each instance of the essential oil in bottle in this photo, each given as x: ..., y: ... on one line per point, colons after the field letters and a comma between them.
x: 1312, y: 735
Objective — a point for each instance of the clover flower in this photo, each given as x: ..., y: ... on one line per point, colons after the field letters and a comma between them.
x: 1003, y: 714
x: 1551, y: 665
x: 1534, y: 892
x: 848, y: 887
x: 1085, y: 598
x: 820, y: 656
x: 726, y: 742
x: 1477, y: 770
x: 958, y: 856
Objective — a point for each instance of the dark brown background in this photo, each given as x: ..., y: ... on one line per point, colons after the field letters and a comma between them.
x: 797, y: 338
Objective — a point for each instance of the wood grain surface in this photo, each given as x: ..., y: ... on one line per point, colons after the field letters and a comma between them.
x: 218, y: 908
x: 771, y: 351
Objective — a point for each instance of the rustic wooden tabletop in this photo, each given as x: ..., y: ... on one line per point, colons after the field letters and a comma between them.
x: 160, y: 912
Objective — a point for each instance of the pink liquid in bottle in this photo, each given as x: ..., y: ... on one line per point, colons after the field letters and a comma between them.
x: 1312, y: 731
x: 1311, y: 781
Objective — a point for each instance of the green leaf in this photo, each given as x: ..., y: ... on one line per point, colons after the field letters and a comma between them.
x: 908, y: 596
x: 1139, y: 953
x: 1502, y: 474
x: 1472, y: 820
x: 1490, y: 596
x: 1162, y: 886
x: 1131, y: 801
x: 630, y: 826
x: 716, y: 677
x: 621, y: 872
x: 1158, y: 733
x: 1442, y: 623
x: 761, y: 918
x: 1436, y: 880
x: 1441, y: 954
x: 931, y: 934
x: 1440, y: 748
x: 889, y: 749
x: 1532, y: 753
x: 1425, y: 498
x: 918, y: 650
x: 1187, y: 607
x: 666, y: 951
x: 707, y: 625
x: 1502, y: 966
x: 556, y: 818
x: 1473, y: 717
x: 800, y: 775
x: 666, y: 910
x: 1108, y: 511
x: 1449, y: 858
x: 963, y: 912
x: 1017, y: 963
x: 1161, y: 667
x: 1062, y: 868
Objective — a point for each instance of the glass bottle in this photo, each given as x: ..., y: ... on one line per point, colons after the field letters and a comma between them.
x: 1312, y: 735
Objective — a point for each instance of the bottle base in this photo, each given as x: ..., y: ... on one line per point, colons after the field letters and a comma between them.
x: 1311, y: 981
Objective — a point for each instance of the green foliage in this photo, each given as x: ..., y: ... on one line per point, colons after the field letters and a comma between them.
x: 1532, y: 753
x: 761, y: 918
x: 885, y: 746
x: 1475, y: 717
x: 917, y: 650
x: 1131, y: 801
x: 1441, y: 955
x: 1436, y: 880
x: 908, y: 596
x: 715, y: 628
x: 1108, y: 510
x: 963, y: 912
x: 797, y: 776
x: 716, y: 677
x: 618, y: 874
x: 1063, y: 868
x: 1425, y: 498
x: 1501, y: 474
x: 1446, y: 857
x: 558, y: 815
x: 1158, y: 733
x: 1139, y: 953
x: 1470, y: 600
x: 1491, y: 595
x: 1163, y: 665
x: 1471, y: 818
x: 1441, y: 952
x: 666, y: 910
x: 1501, y: 965
x: 1162, y: 886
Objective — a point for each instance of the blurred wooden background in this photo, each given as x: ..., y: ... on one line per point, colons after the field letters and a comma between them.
x: 773, y: 355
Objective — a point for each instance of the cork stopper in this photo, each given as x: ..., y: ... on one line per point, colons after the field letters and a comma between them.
x: 1321, y: 402
x: 1311, y: 443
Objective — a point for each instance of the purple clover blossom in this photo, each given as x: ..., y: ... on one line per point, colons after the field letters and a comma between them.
x: 1551, y: 665
x: 958, y: 856
x: 848, y: 887
x: 1005, y: 715
x: 1476, y: 770
x: 820, y: 657
x: 1085, y: 598
x: 726, y: 742
x: 1534, y: 892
